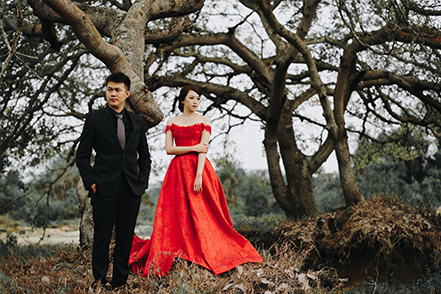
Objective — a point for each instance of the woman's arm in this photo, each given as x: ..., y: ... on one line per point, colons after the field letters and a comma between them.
x: 171, y: 149
x: 205, y: 138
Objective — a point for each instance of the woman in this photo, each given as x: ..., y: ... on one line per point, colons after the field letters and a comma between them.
x: 192, y: 219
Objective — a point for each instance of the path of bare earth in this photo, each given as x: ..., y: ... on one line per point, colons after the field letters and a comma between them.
x: 67, y: 234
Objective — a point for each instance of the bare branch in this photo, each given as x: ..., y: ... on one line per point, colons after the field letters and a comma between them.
x: 424, y: 10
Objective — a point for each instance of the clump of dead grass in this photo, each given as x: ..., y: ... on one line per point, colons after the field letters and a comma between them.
x: 378, y: 234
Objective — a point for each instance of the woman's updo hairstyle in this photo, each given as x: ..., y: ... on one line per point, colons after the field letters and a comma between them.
x: 183, y: 93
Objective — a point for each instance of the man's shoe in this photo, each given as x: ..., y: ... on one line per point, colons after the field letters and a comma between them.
x: 107, y: 286
x: 93, y: 286
x: 122, y: 289
x: 99, y: 284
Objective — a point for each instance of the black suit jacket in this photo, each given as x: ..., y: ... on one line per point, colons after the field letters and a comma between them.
x: 111, y: 162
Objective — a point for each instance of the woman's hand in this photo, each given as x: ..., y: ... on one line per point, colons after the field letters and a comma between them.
x: 198, y: 184
x: 201, y: 148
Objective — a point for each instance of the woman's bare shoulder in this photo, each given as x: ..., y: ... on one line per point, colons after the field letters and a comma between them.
x: 206, y: 120
x: 172, y: 120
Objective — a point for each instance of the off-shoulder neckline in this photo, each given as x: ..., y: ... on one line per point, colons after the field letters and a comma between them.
x: 195, y: 124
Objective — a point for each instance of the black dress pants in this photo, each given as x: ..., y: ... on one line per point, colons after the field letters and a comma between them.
x: 121, y: 210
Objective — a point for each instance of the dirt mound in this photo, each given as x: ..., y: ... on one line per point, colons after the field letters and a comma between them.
x: 376, y: 236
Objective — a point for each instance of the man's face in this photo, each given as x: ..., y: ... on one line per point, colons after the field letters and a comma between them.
x: 116, y: 95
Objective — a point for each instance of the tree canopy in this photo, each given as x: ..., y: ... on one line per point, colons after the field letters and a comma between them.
x: 312, y: 72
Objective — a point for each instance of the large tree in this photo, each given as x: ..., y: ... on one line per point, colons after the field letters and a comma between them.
x: 47, y: 70
x: 304, y: 69
x: 54, y: 55
x: 281, y: 57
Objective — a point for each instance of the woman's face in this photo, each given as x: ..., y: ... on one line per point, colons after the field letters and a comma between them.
x: 191, y: 101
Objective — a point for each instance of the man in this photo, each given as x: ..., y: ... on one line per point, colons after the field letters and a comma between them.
x: 117, y: 179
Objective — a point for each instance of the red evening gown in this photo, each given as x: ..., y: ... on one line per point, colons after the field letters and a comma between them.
x: 188, y: 225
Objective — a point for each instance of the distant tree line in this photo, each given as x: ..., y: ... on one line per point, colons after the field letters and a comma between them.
x: 45, y: 200
x: 409, y: 170
x: 406, y: 168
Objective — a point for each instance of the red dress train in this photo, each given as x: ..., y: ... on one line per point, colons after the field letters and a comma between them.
x: 193, y: 226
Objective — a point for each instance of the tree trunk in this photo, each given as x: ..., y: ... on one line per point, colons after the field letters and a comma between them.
x: 296, y: 196
x: 346, y: 82
x: 351, y: 192
x: 86, y: 222
x: 275, y: 173
x: 298, y: 176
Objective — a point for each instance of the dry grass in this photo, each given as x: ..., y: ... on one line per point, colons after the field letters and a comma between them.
x: 375, y: 237
x: 385, y: 227
x: 298, y: 257
x: 65, y: 272
x: 69, y: 272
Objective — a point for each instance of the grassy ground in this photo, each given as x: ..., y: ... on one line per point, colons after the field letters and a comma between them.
x: 65, y: 269
x: 378, y: 246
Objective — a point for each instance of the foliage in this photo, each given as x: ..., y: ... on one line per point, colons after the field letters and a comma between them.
x: 49, y: 197
x: 147, y: 210
x: 42, y: 211
x: 248, y: 192
x: 10, y: 247
x: 43, y: 89
x: 260, y: 225
x: 12, y: 191
x: 327, y: 191
x: 7, y: 245
x: 406, y: 143
x: 401, y: 167
x: 429, y: 284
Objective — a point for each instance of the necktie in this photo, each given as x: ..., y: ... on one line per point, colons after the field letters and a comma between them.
x: 120, y: 130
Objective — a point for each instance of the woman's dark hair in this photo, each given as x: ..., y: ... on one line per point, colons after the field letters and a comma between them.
x: 183, y: 94
x: 119, y: 77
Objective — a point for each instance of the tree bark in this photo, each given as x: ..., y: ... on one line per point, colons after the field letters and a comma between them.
x: 86, y: 221
x: 346, y: 82
x: 298, y: 176
x: 351, y: 192
x: 278, y: 185
x: 295, y: 196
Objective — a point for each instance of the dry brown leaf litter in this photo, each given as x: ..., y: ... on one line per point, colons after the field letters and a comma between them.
x: 69, y: 272
x: 293, y: 255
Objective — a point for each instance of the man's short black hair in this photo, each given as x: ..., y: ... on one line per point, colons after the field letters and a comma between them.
x: 119, y: 77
